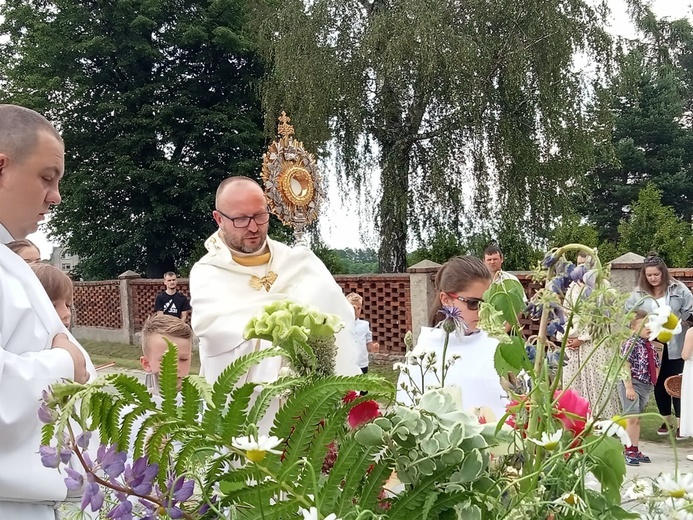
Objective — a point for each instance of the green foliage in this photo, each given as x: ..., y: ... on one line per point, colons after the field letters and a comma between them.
x: 642, y: 128
x: 156, y: 102
x: 437, y: 103
x: 652, y: 226
x: 330, y: 257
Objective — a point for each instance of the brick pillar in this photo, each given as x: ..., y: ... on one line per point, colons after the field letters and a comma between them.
x: 625, y: 271
x: 422, y: 292
x: 127, y: 308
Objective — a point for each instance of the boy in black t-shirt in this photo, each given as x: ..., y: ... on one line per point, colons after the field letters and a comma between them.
x: 171, y: 301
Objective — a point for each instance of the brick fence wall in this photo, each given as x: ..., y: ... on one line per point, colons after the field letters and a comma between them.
x: 100, y: 307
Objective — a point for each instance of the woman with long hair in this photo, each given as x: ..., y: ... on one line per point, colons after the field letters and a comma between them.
x: 459, y: 288
x: 656, y: 288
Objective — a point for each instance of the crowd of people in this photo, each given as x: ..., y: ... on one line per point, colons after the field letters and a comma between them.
x: 244, y: 270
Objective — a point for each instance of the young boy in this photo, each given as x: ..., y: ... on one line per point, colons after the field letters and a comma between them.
x: 58, y: 286
x: 154, y: 346
x: 642, y: 364
x: 362, y: 331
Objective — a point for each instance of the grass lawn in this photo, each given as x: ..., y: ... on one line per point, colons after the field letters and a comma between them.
x: 124, y: 355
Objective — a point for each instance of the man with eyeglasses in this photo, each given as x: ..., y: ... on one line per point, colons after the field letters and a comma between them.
x: 243, y: 271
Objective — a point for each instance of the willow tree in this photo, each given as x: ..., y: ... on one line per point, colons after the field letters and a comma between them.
x: 470, y: 104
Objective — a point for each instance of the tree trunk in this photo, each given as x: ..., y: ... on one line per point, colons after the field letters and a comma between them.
x: 393, y: 207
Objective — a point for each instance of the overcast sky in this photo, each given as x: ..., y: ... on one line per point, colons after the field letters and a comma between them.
x: 340, y: 218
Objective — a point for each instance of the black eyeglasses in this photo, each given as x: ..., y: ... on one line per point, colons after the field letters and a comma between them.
x: 652, y: 260
x: 472, y: 303
x: 243, y: 222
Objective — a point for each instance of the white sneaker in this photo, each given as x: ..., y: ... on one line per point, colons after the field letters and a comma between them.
x: 689, y: 457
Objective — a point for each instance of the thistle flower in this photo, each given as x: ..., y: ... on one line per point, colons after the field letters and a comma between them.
x: 452, y: 319
x: 257, y: 449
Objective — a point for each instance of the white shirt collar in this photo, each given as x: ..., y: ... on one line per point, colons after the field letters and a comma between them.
x: 5, y: 237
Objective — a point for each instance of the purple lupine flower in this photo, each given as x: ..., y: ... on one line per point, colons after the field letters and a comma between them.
x: 590, y: 278
x: 74, y: 480
x: 49, y: 456
x: 182, y: 489
x: 206, y: 506
x: 45, y: 414
x: 65, y: 454
x: 112, y: 461
x: 141, y: 476
x: 578, y: 273
x: 83, y: 440
x: 549, y: 259
x: 123, y: 511
x: 93, y: 497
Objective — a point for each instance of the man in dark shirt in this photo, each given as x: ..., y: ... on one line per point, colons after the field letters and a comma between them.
x: 171, y: 301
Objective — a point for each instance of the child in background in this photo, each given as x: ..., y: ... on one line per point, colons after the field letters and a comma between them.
x: 642, y: 364
x: 26, y: 249
x: 58, y: 286
x: 154, y: 346
x: 362, y: 332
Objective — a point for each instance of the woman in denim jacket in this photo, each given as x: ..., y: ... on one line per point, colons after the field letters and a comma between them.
x: 656, y: 287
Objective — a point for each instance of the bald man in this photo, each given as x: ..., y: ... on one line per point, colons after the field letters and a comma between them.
x: 243, y: 271
x: 36, y: 350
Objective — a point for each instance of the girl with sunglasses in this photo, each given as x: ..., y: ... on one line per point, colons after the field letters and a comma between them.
x: 461, y: 283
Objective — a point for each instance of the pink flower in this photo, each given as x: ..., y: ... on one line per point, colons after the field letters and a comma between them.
x: 351, y: 396
x: 362, y: 413
x: 515, y: 408
x: 572, y: 410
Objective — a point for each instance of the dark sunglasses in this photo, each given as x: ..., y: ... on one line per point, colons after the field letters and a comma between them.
x: 472, y: 303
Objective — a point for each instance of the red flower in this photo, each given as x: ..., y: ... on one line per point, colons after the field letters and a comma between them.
x: 351, y: 396
x: 362, y: 413
x: 515, y: 407
x: 572, y: 410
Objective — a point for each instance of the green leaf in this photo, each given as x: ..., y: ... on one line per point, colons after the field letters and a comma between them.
x: 471, y: 468
x: 610, y: 467
x: 511, y: 357
x: 168, y: 380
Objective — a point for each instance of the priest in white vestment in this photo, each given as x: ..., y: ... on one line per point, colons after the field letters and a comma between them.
x: 243, y: 271
x: 36, y: 350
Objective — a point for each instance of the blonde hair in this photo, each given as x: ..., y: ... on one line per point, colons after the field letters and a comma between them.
x: 57, y: 284
x: 165, y: 325
x: 355, y: 299
x: 17, y: 245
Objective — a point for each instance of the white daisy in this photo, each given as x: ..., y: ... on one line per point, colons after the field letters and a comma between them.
x: 610, y: 428
x: 663, y: 324
x: 676, y: 488
x: 256, y: 449
x: 312, y: 514
x: 570, y: 502
x: 548, y: 440
x: 640, y: 488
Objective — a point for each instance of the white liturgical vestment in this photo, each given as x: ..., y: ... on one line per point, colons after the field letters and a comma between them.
x: 28, y: 365
x: 224, y: 301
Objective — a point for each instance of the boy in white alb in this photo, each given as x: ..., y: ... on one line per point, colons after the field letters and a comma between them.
x: 362, y: 333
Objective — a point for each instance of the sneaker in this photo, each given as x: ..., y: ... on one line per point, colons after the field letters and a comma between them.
x: 642, y: 457
x: 632, y: 458
x: 679, y: 437
x: 689, y: 457
x: 663, y: 429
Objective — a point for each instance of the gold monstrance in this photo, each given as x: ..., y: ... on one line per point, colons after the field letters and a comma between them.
x: 292, y: 182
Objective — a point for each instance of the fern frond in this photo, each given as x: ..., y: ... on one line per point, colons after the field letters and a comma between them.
x: 131, y: 390
x: 234, y: 417
x: 168, y: 380
x: 353, y: 460
x: 190, y: 408
x: 370, y: 492
x: 413, y: 499
x: 267, y: 394
x: 129, y: 416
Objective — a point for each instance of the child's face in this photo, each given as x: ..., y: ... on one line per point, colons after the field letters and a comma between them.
x: 30, y: 254
x: 640, y: 327
x: 64, y: 309
x: 157, y: 347
x: 357, y: 309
